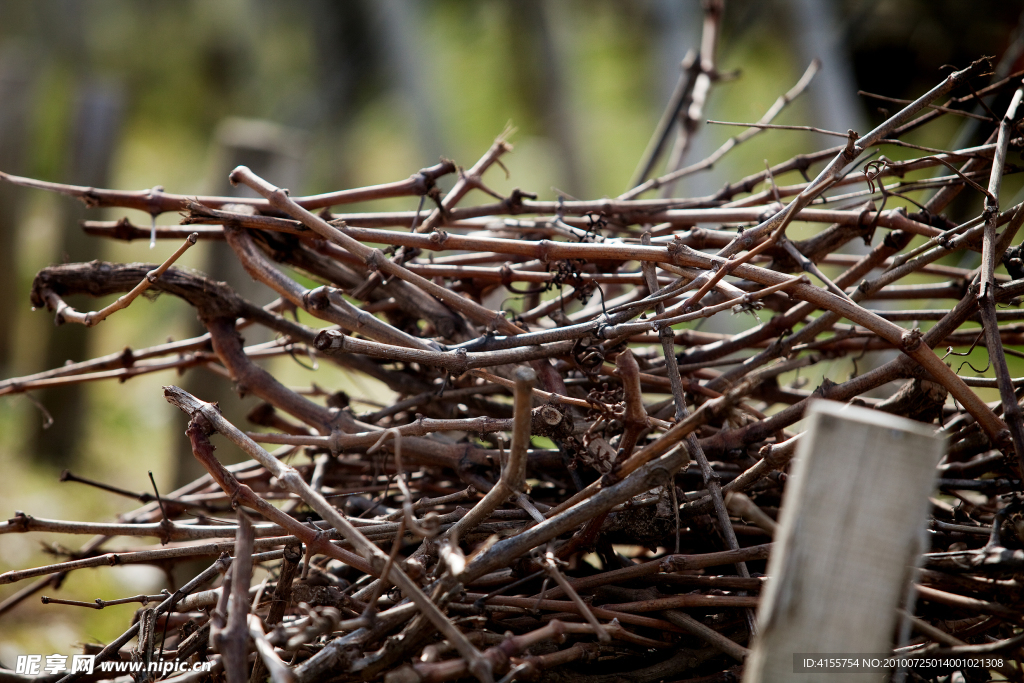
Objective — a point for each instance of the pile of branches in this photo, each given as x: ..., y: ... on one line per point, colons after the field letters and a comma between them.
x: 583, y: 489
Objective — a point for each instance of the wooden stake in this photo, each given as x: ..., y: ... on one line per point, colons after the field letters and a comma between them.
x: 849, y: 533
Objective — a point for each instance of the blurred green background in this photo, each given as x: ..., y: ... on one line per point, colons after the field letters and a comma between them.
x: 328, y: 95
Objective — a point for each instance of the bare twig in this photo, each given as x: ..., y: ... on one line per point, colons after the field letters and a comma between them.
x: 65, y: 313
x: 986, y: 295
x: 513, y: 475
x: 232, y: 639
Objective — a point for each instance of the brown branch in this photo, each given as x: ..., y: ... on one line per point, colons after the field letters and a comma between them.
x: 826, y: 177
x: 986, y: 294
x: 639, y: 187
x: 635, y: 419
x: 156, y: 201
x: 374, y: 557
x: 372, y: 257
x: 232, y: 639
x: 513, y: 475
x: 65, y: 313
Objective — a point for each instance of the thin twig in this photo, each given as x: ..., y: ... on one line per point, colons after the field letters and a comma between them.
x: 65, y: 313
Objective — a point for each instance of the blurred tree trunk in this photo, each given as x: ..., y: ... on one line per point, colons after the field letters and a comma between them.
x: 818, y: 33
x: 541, y: 77
x: 350, y: 72
x: 397, y: 23
x: 95, y: 130
x: 17, y: 67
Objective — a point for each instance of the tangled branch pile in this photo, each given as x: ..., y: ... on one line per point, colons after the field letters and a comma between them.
x: 655, y: 454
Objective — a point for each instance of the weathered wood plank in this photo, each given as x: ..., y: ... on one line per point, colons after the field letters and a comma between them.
x: 849, y: 534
